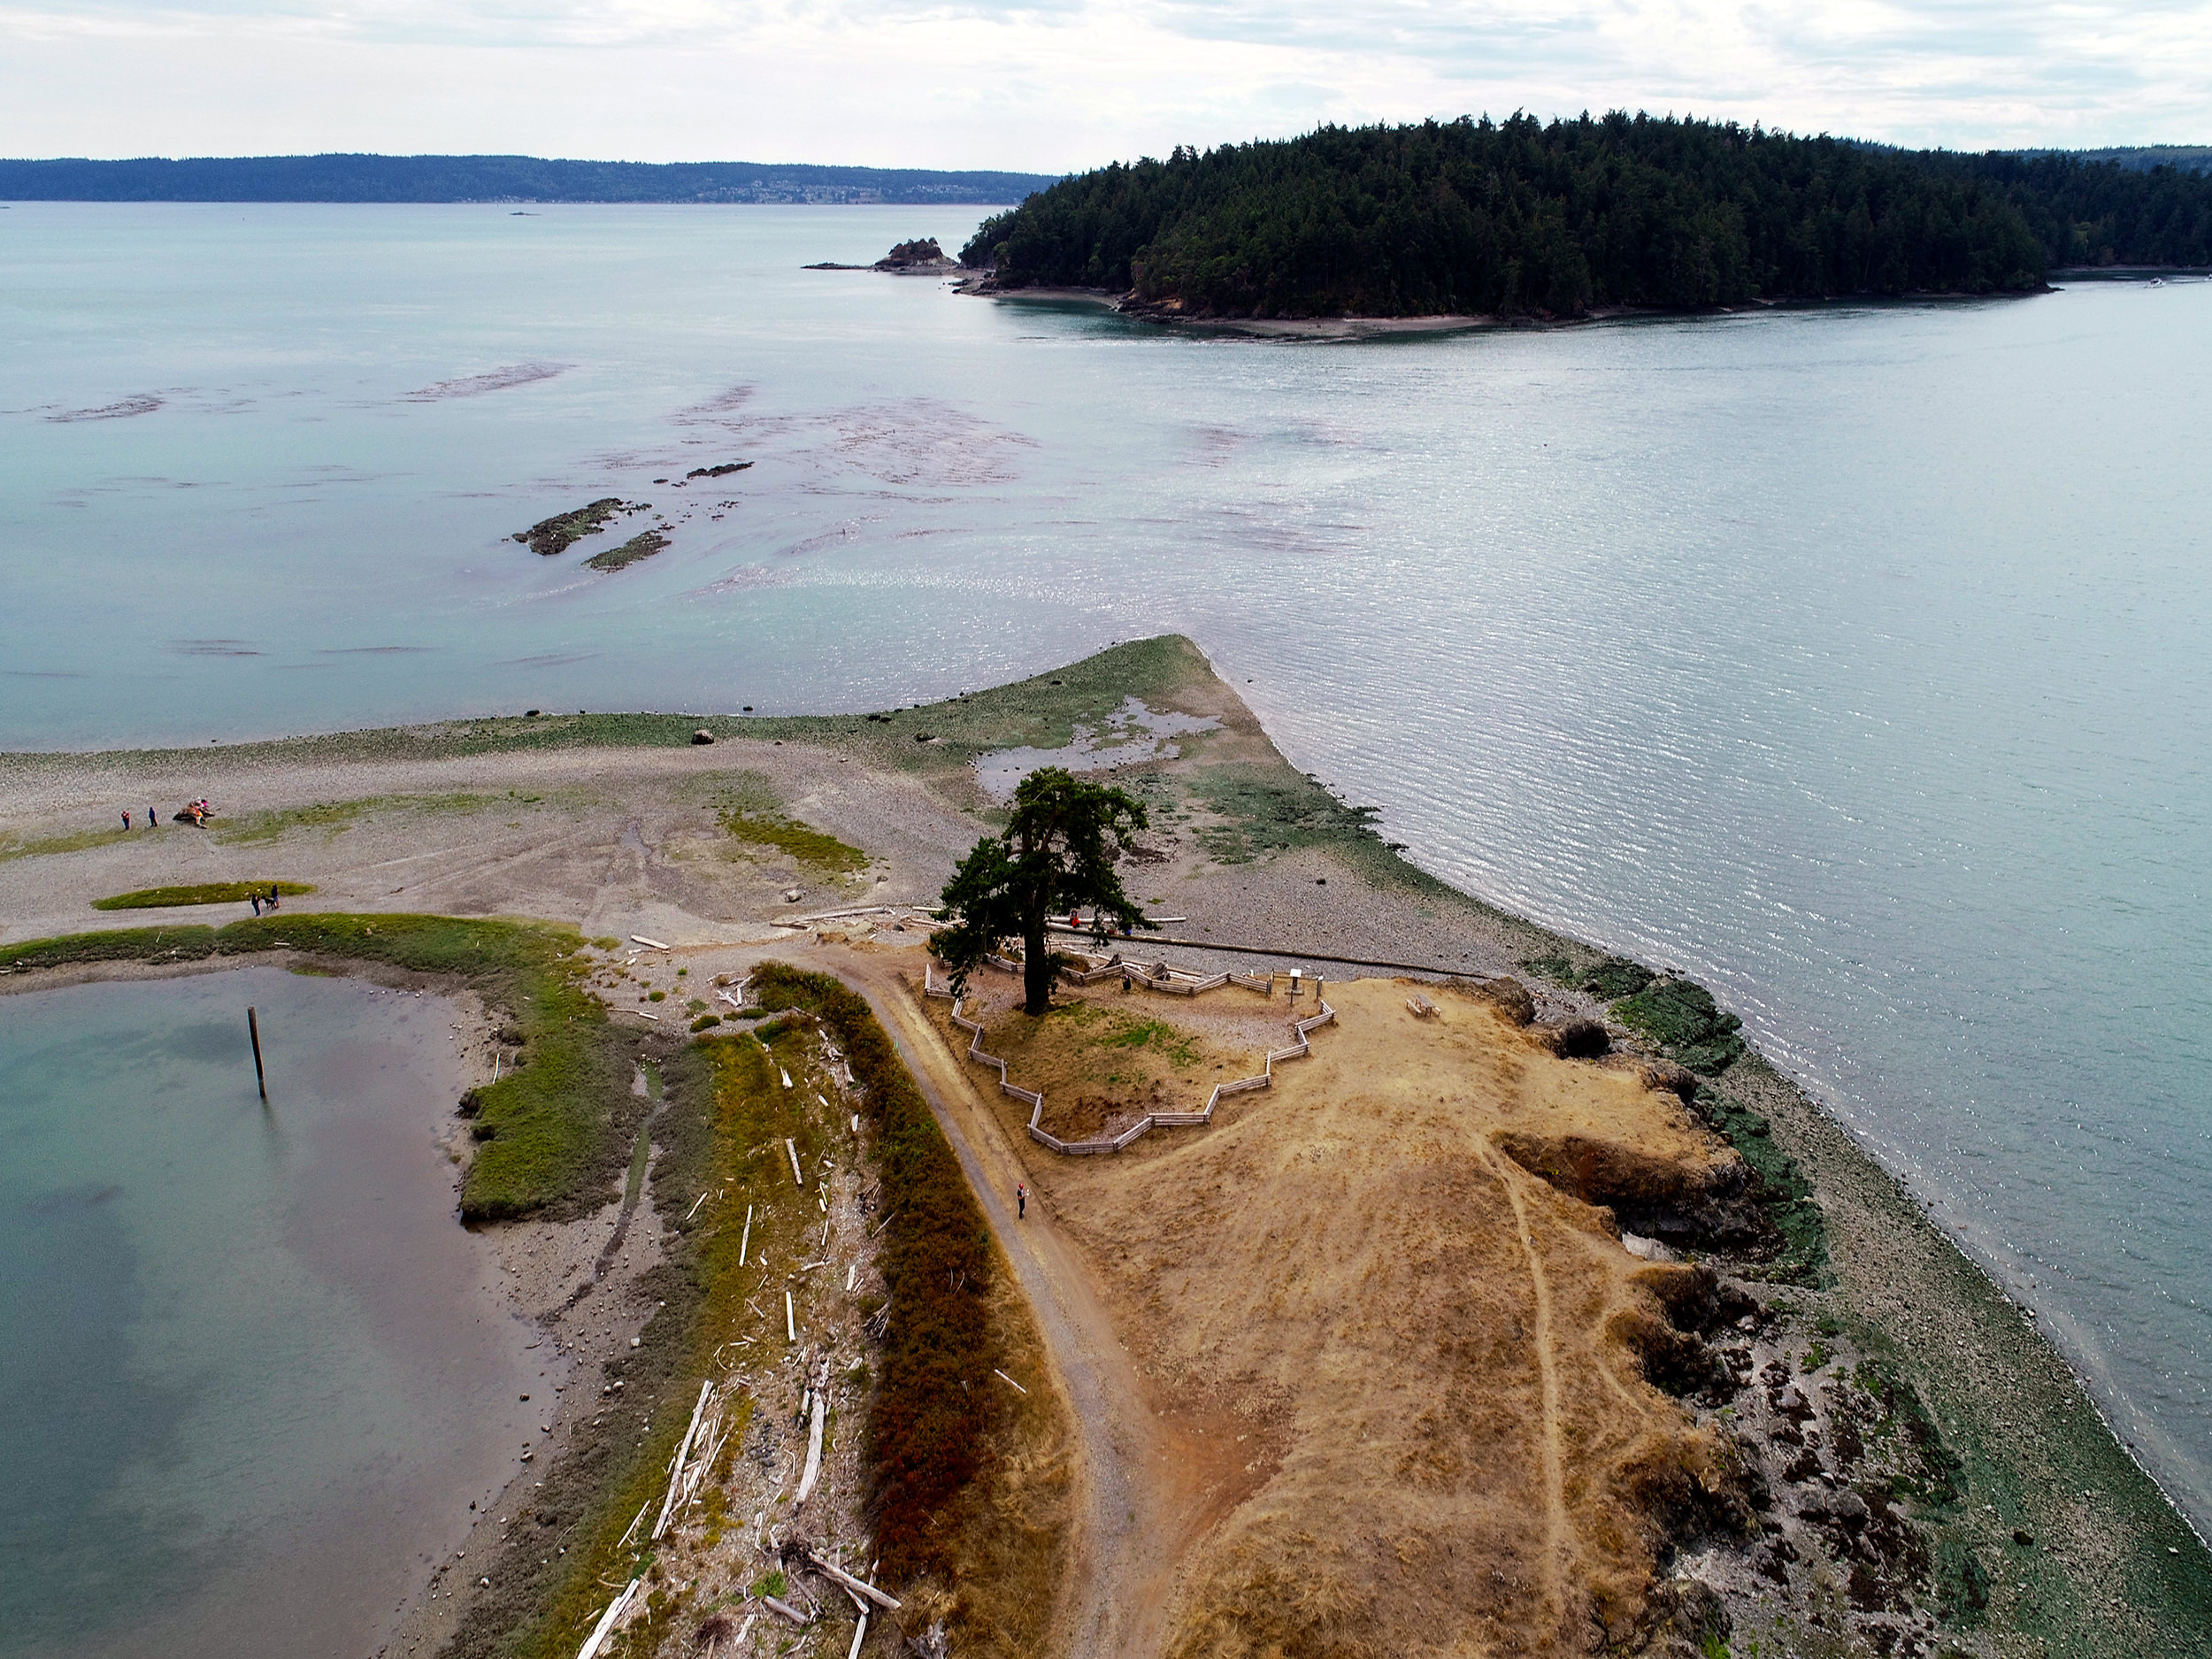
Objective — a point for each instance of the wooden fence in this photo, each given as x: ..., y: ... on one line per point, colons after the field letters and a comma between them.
x: 1264, y: 1079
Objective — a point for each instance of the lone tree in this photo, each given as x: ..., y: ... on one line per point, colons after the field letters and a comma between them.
x: 1058, y: 851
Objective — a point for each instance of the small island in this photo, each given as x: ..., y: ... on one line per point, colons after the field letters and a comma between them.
x: 1525, y: 220
x: 924, y: 258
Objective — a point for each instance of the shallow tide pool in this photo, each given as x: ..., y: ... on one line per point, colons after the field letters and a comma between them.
x: 247, y: 1352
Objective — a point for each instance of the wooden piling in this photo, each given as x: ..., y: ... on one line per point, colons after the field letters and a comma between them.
x: 253, y: 1032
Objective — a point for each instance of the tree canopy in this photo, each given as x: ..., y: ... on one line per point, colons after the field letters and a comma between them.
x: 1059, y: 849
x: 1519, y: 217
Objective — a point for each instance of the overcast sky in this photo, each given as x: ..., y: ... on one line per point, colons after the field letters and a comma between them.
x: 1065, y: 83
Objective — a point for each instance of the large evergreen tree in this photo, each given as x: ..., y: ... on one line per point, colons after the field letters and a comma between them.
x: 1058, y: 851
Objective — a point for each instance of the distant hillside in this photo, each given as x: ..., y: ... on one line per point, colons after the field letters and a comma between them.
x: 1523, y: 218
x: 493, y: 179
x: 2141, y: 157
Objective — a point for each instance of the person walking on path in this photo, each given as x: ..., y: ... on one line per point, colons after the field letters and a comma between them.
x: 273, y: 897
x: 255, y: 900
x: 152, y: 822
x: 126, y: 823
x: 1021, y: 1201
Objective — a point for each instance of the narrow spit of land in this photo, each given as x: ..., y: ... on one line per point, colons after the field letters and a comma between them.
x: 681, y: 863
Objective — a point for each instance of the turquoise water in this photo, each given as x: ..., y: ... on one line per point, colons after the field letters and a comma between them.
x: 1853, y: 659
x: 244, y: 1350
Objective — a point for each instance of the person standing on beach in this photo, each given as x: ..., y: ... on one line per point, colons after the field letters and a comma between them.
x: 126, y: 823
x: 254, y: 899
x: 1021, y: 1201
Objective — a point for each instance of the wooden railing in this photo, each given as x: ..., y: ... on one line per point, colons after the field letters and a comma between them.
x: 1264, y: 1079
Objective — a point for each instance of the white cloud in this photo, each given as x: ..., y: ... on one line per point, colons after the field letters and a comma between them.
x: 1062, y: 83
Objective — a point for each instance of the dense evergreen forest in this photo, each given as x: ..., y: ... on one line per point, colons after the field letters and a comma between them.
x: 344, y: 178
x: 1520, y: 217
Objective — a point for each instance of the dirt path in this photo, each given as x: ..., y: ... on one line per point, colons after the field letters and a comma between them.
x: 1135, y: 1513
x: 1548, y: 1372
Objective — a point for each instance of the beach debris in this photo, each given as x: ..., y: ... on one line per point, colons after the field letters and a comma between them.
x: 845, y: 1581
x: 651, y: 944
x: 1009, y: 1381
x: 794, y: 1151
x: 604, y: 1628
x: 790, y: 1320
x: 784, y: 1608
x: 813, y: 1472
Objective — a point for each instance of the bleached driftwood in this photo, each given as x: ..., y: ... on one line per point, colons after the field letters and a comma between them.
x: 813, y: 1451
x: 600, y: 1632
x: 795, y: 1175
x: 790, y: 1320
x: 683, y: 1451
x: 745, y: 1241
x: 1009, y: 1381
x: 836, y: 1574
x: 784, y: 1608
x: 651, y: 944
x: 860, y: 1634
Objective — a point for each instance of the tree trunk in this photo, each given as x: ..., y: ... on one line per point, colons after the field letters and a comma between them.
x: 1036, y: 964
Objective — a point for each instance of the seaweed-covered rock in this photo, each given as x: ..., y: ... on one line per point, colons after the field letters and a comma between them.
x: 564, y: 530
x: 908, y: 256
x: 1616, y: 977
x: 1681, y: 1017
x: 642, y: 546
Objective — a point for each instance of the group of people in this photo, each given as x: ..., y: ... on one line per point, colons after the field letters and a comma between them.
x: 262, y: 907
x: 195, y: 813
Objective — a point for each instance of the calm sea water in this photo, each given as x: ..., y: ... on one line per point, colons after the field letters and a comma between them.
x: 1854, y: 659
x: 245, y: 1351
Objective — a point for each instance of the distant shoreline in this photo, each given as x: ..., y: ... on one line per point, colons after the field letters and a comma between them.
x: 1365, y: 328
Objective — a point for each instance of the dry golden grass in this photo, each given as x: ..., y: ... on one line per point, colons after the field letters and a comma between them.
x: 1103, y: 1058
x: 1412, y: 1355
x: 1007, y: 1536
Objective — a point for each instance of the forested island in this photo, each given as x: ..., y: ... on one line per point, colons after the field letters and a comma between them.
x: 1520, y: 217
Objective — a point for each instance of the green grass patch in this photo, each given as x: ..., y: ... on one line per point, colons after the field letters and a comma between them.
x: 125, y: 944
x: 201, y: 893
x: 258, y: 828
x: 803, y: 842
x: 76, y: 840
x: 1161, y: 1038
x: 926, y: 1433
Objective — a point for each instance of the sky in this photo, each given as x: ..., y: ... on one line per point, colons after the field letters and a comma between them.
x: 1062, y: 84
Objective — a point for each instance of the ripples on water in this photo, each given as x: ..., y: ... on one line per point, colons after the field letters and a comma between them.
x: 1851, y: 659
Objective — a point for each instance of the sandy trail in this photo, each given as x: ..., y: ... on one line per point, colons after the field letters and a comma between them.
x: 1135, y: 1514
x: 1547, y: 1371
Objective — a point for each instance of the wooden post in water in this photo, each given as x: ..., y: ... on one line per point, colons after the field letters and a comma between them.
x: 253, y: 1031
